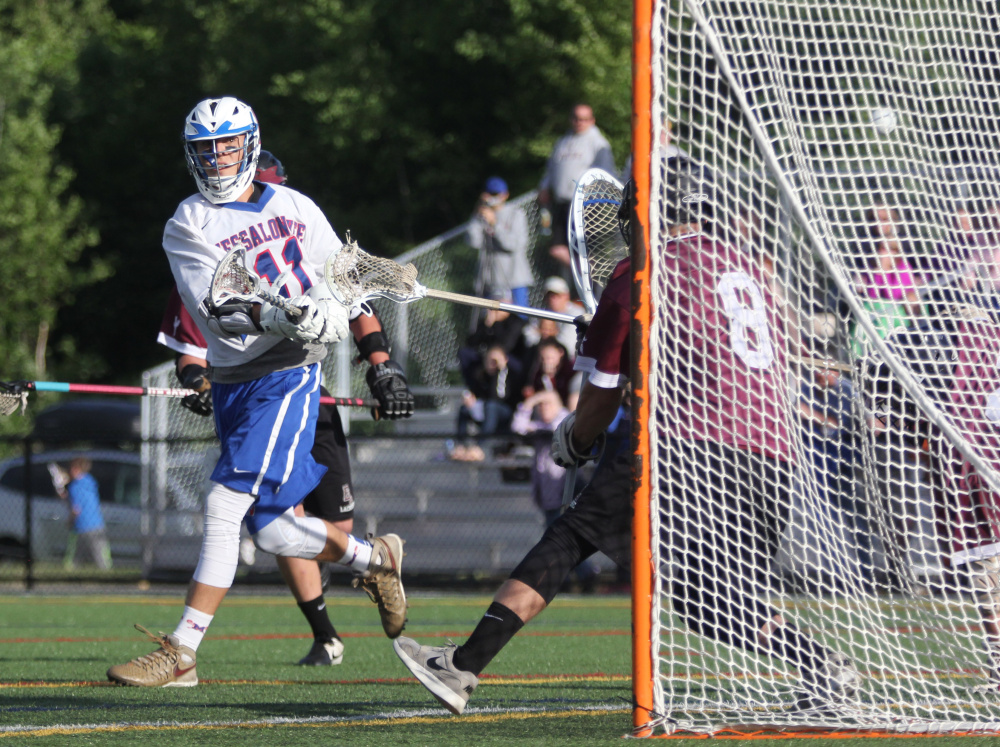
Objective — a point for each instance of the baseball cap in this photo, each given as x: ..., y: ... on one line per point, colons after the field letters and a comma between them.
x: 556, y: 285
x: 495, y: 185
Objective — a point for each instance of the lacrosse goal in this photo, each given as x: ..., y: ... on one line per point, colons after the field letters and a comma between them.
x: 848, y: 152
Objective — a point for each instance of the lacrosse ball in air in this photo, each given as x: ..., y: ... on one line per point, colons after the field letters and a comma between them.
x: 884, y: 120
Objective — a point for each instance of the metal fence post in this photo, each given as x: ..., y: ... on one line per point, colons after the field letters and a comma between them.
x: 29, y: 571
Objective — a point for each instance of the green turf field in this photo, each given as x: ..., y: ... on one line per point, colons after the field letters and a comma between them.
x: 563, y: 680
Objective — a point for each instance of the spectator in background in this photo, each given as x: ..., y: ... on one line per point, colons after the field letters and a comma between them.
x: 494, y: 390
x: 500, y: 232
x: 536, y: 418
x: 495, y: 328
x: 582, y: 148
x: 557, y: 299
x: 948, y: 265
x: 828, y: 408
x: 890, y: 276
x: 891, y: 279
x: 552, y: 371
x: 86, y: 519
x: 886, y: 313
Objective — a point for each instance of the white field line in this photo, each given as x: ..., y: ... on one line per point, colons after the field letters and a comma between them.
x: 393, y: 715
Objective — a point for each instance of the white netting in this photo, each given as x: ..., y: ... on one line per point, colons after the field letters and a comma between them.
x: 848, y: 152
x: 354, y: 275
x: 596, y: 242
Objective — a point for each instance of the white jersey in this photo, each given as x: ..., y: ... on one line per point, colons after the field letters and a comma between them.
x: 283, y: 230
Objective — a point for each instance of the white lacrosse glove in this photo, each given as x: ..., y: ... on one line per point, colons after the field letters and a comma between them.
x: 276, y: 321
x: 323, y: 318
x: 337, y: 317
x: 564, y: 453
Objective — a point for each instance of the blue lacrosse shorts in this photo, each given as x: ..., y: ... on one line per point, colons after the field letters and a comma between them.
x: 266, y: 428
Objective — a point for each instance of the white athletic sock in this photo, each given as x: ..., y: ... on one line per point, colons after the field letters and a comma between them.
x: 358, y: 555
x: 192, y: 627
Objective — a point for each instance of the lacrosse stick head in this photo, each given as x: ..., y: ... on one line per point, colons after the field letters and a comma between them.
x: 355, y: 276
x: 12, y: 396
x: 232, y: 279
x: 596, y: 243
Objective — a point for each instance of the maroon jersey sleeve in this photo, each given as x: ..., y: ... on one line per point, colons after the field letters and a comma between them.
x: 178, y: 330
x: 968, y: 508
x: 604, y: 353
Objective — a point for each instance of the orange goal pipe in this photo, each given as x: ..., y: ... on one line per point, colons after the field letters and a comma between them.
x: 642, y: 567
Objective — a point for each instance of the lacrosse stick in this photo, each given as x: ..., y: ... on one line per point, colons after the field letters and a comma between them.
x: 14, y: 394
x: 596, y: 246
x: 595, y: 241
x: 355, y: 276
x: 233, y: 279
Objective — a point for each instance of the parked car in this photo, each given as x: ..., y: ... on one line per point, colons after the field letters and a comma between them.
x: 129, y: 519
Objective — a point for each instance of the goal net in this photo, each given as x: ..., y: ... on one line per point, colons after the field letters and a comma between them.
x: 816, y: 391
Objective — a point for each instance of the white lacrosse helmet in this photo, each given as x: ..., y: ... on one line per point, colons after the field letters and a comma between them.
x: 212, y: 119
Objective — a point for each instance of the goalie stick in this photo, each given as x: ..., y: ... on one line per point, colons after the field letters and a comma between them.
x: 14, y: 394
x: 596, y: 246
x: 355, y: 276
x: 596, y: 243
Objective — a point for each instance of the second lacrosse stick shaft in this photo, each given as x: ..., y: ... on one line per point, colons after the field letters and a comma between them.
x: 485, y: 303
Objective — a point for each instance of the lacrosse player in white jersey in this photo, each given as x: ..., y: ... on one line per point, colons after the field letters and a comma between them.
x: 333, y: 498
x: 265, y: 371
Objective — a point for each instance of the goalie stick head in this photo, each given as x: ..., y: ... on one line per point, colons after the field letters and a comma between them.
x: 212, y: 120
x: 596, y: 241
x: 928, y: 354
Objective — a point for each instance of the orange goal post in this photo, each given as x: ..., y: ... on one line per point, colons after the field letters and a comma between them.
x: 816, y: 367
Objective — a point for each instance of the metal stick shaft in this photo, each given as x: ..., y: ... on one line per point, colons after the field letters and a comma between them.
x: 485, y: 303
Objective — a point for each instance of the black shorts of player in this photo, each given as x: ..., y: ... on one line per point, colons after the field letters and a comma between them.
x: 333, y: 498
x: 560, y: 217
x: 598, y: 519
x: 722, y: 513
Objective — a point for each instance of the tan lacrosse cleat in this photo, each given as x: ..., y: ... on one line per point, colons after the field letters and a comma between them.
x: 171, y: 665
x: 384, y: 584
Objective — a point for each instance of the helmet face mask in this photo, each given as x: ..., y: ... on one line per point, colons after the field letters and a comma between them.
x: 222, y: 119
x: 689, y: 193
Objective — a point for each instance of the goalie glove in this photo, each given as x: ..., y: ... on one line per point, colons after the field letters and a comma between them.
x: 196, y: 377
x: 388, y: 385
x: 564, y: 453
x: 582, y: 324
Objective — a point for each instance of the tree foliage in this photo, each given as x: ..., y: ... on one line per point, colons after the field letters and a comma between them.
x: 43, y: 225
x: 389, y: 114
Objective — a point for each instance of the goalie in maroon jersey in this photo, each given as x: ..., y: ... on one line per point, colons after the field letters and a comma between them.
x: 724, y: 516
x: 725, y: 493
x: 957, y: 366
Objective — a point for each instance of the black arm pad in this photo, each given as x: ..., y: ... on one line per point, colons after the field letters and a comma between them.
x: 373, y: 342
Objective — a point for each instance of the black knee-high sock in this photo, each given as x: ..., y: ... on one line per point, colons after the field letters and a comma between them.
x: 319, y: 619
x: 493, y: 632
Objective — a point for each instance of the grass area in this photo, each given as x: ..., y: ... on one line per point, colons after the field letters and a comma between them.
x: 564, y: 680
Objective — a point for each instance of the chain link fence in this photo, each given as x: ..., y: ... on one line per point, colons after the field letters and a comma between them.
x: 463, y: 522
